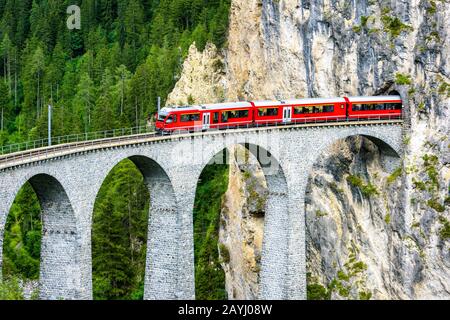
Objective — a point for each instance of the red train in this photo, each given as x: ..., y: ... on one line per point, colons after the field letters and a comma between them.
x: 264, y: 113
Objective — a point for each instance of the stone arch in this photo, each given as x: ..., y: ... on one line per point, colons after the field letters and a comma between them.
x: 274, y: 260
x: 59, y: 276
x: 390, y: 158
x: 390, y: 149
x: 162, y: 265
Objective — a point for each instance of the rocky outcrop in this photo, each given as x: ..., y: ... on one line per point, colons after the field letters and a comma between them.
x: 395, y: 243
x: 202, y: 78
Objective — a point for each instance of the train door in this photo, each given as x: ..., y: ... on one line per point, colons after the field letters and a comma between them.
x: 287, y: 114
x: 206, y: 120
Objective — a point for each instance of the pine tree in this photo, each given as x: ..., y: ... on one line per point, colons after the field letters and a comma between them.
x: 120, y: 234
x: 84, y: 101
x: 4, y: 104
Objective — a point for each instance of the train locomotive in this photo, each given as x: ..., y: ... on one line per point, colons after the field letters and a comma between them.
x: 233, y: 115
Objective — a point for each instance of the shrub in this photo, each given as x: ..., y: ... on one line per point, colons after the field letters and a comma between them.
x: 402, y: 79
x: 434, y: 204
x: 366, y: 189
x: 316, y: 291
x: 394, y: 175
x: 394, y: 26
x: 365, y: 295
x: 224, y: 253
x: 444, y: 231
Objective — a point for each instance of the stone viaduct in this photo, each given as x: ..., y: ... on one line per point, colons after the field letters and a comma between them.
x: 68, y: 179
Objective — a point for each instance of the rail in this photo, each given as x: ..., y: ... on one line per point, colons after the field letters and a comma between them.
x: 73, y: 138
x: 139, y: 134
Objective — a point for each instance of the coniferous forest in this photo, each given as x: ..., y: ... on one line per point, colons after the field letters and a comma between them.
x: 106, y: 75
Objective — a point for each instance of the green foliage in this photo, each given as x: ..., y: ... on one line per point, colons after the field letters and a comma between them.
x: 316, y: 291
x: 256, y: 197
x: 419, y: 185
x: 364, y: 20
x: 402, y: 79
x: 387, y: 218
x: 432, y: 8
x: 320, y: 213
x: 367, y: 190
x: 436, y: 205
x: 136, y: 45
x: 342, y: 284
x: 22, y: 239
x: 431, y: 183
x: 209, y: 276
x: 224, y: 253
x: 444, y: 88
x: 356, y: 29
x: 363, y: 25
x: 10, y: 289
x: 395, y: 175
x: 447, y: 201
x: 393, y: 25
x: 119, y: 234
x: 444, y: 231
x: 365, y: 295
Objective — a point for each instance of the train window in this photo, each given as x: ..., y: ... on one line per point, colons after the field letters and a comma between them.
x: 190, y: 117
x: 242, y: 113
x: 234, y: 114
x: 356, y: 107
x: 216, y: 117
x: 162, y: 117
x: 267, y: 112
x: 298, y: 110
x: 393, y: 106
x: 172, y: 119
x: 329, y: 108
x: 313, y: 109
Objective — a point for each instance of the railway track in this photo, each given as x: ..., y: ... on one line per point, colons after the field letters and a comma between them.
x: 34, y: 155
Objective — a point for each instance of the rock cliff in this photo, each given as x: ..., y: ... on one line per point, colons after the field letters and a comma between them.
x: 372, y: 232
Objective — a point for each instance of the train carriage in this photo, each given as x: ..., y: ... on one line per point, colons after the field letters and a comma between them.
x: 299, y: 111
x: 372, y: 108
x: 204, y: 117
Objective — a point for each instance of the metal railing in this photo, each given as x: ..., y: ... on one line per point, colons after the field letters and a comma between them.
x: 116, y: 136
x: 73, y: 138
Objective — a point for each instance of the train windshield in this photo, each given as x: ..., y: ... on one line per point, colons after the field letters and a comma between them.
x: 162, y: 116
